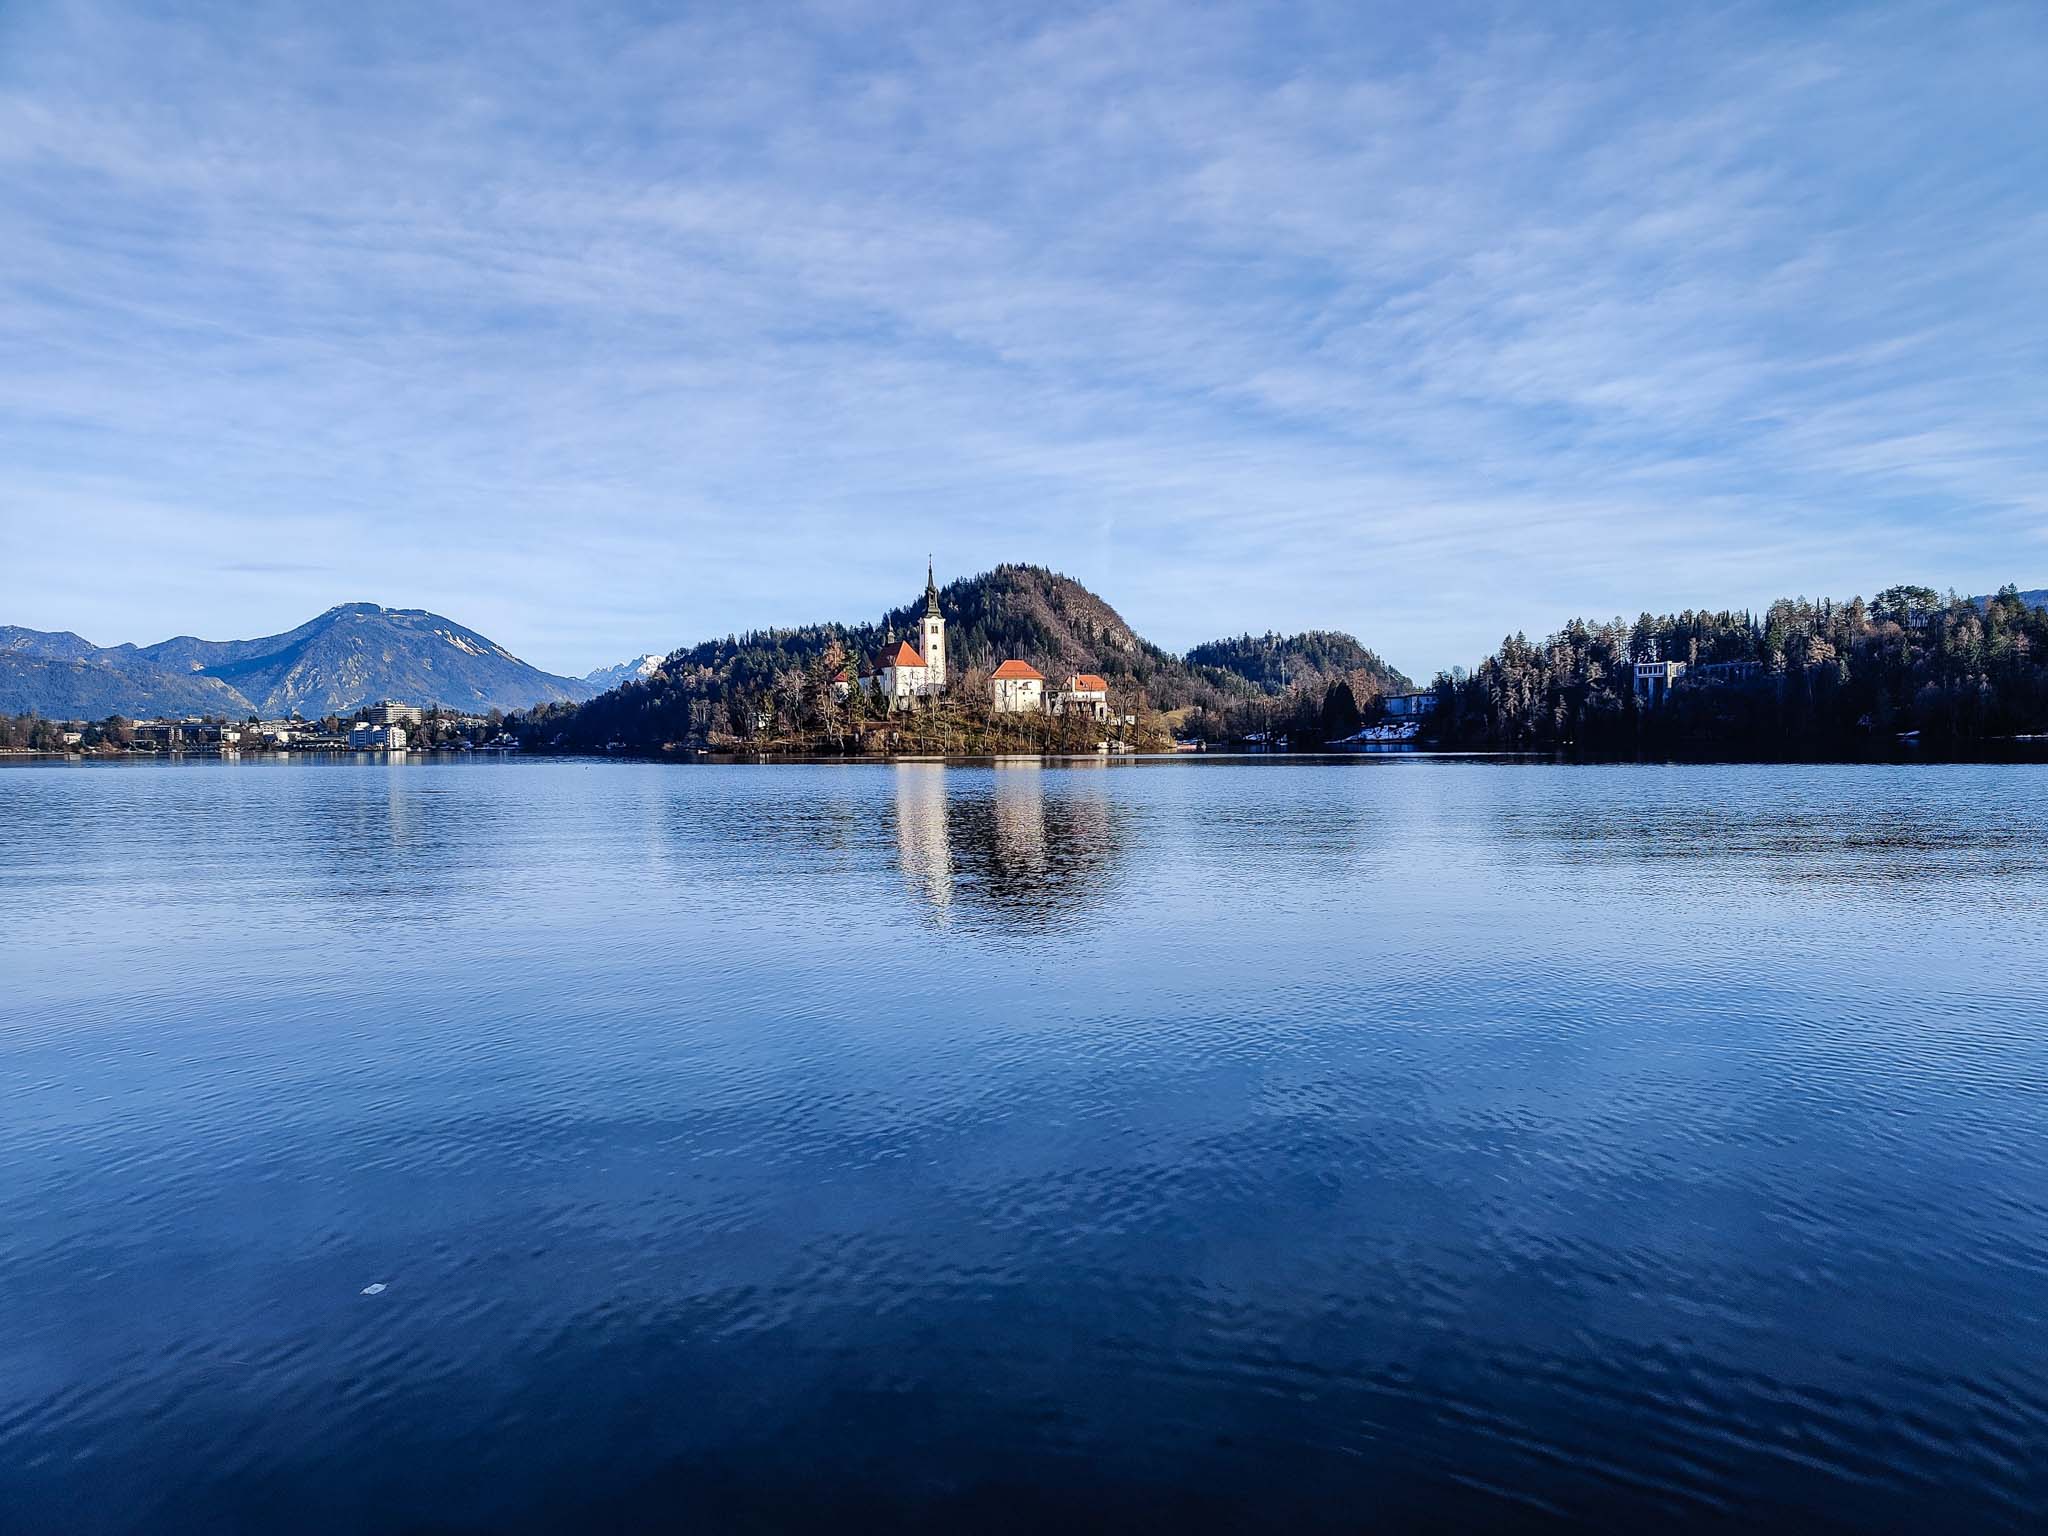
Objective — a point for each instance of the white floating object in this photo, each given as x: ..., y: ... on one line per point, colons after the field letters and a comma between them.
x: 374, y: 1290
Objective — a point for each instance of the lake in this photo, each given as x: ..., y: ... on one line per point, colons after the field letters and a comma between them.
x: 1184, y: 1145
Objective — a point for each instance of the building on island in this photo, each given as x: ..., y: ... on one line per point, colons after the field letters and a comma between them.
x: 1411, y: 706
x: 1084, y: 693
x: 1656, y: 679
x: 905, y: 673
x: 900, y: 674
x: 1018, y: 688
x: 931, y: 634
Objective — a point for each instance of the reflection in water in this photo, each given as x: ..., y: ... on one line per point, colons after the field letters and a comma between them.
x: 1020, y: 819
x: 1020, y: 841
x: 922, y: 850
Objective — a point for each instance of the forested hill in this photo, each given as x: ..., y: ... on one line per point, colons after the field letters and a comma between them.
x: 1278, y: 662
x: 779, y: 681
x: 1802, y: 677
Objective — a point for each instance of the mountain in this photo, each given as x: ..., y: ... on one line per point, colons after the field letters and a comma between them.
x: 350, y: 655
x: 57, y: 646
x: 722, y: 688
x: 604, y: 679
x: 92, y: 688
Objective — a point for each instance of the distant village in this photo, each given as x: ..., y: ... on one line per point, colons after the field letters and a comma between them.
x: 388, y: 726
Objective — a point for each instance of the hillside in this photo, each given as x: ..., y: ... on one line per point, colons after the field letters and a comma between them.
x: 61, y: 688
x: 1276, y: 662
x: 350, y: 655
x: 727, y: 689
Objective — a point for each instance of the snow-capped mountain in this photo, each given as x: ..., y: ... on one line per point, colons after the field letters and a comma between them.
x: 605, y: 679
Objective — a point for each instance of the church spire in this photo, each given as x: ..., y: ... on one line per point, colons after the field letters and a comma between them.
x: 931, y: 589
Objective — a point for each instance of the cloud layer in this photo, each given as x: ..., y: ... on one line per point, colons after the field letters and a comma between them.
x: 605, y: 333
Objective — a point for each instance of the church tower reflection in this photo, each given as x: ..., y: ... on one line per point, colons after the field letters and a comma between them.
x: 922, y: 849
x: 1021, y: 841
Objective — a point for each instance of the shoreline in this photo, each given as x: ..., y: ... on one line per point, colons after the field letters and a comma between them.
x: 2014, y: 752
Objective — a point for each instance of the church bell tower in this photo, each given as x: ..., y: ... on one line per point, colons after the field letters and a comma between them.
x: 931, y: 632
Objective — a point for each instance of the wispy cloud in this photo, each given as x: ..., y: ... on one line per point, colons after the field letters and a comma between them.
x: 602, y: 333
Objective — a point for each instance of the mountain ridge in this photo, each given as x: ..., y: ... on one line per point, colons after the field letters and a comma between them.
x: 603, y: 679
x: 350, y: 655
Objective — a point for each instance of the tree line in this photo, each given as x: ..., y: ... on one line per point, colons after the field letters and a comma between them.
x: 1801, y: 677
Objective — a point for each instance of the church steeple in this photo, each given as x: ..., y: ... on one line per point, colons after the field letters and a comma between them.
x: 931, y: 633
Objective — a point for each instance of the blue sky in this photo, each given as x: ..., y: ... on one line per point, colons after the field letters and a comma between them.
x: 603, y: 332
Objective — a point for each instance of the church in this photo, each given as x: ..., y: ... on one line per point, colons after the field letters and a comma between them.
x: 904, y: 672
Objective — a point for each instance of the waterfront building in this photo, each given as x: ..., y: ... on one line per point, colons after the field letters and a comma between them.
x: 168, y: 735
x: 1655, y: 679
x: 365, y: 737
x: 1411, y: 706
x: 1083, y: 693
x: 1018, y: 688
x: 391, y: 712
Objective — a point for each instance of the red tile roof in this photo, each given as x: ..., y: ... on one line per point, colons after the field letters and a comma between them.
x: 1086, y: 682
x: 905, y: 655
x: 1015, y: 671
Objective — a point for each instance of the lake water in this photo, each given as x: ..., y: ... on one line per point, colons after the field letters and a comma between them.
x: 1186, y: 1145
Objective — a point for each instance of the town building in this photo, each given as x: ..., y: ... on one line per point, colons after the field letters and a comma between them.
x: 1017, y: 688
x: 1411, y: 706
x: 1083, y: 693
x: 166, y: 735
x: 1655, y: 680
x: 391, y: 712
x: 365, y: 737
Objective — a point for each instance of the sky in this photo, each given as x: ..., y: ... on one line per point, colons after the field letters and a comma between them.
x: 604, y: 329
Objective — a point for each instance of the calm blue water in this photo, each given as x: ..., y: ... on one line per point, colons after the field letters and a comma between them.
x: 1186, y: 1145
